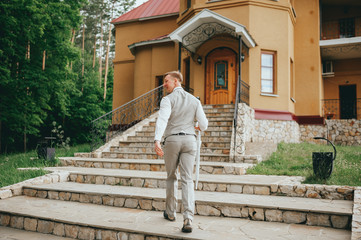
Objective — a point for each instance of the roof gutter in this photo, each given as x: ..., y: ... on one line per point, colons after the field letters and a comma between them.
x: 145, y: 43
x: 146, y: 18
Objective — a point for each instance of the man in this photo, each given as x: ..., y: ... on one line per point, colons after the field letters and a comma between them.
x: 177, y: 113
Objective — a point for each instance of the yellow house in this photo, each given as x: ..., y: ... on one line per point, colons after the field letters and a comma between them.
x: 290, y: 60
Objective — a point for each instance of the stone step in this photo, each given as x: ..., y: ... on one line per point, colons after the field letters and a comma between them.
x: 135, y: 155
x: 220, y: 118
x: 214, y: 133
x: 8, y: 233
x: 150, y: 149
x: 152, y: 165
x: 315, y: 212
x: 247, y: 184
x: 91, y: 221
x: 220, y: 114
x: 205, y: 144
x: 204, y: 138
x: 211, y: 122
x: 219, y: 106
x: 210, y: 128
x: 218, y: 110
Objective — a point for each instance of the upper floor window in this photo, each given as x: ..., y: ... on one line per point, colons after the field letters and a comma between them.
x: 189, y: 3
x: 347, y: 27
x: 268, y: 76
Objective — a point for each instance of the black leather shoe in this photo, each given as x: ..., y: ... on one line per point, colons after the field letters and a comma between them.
x: 187, y: 226
x: 166, y: 216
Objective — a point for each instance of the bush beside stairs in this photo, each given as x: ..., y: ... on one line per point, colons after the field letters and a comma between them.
x: 118, y: 192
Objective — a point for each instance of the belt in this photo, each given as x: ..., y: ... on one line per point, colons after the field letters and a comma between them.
x: 179, y: 134
x: 183, y: 134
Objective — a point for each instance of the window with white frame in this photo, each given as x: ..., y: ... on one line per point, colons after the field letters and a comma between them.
x: 268, y: 76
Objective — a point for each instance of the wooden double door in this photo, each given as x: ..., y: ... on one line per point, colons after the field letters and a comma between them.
x: 221, y: 77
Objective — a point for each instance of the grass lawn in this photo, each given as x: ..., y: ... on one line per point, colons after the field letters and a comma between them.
x: 10, y: 162
x: 296, y: 160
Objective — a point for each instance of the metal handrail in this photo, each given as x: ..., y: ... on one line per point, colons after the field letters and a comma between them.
x: 242, y: 95
x: 335, y: 108
x: 113, y: 123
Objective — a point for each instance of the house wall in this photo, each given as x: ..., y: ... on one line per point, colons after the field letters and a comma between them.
x: 127, y: 79
x: 347, y: 72
x: 308, y: 79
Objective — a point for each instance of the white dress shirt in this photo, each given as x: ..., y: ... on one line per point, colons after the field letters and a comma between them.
x: 164, y: 114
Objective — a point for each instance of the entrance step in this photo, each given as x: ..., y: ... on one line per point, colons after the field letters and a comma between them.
x: 205, y: 144
x: 208, y: 133
x: 134, y: 155
x: 316, y: 212
x: 152, y: 165
x: 87, y: 221
x: 247, y: 184
x: 150, y: 149
x: 204, y: 138
x: 209, y: 129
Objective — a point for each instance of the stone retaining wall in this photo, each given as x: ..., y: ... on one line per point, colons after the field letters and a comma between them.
x: 356, y: 216
x: 340, y: 132
x: 17, y: 189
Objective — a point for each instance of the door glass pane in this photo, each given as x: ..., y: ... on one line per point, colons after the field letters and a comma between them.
x: 221, y: 75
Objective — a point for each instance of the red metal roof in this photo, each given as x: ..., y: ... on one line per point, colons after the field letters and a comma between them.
x: 151, y: 8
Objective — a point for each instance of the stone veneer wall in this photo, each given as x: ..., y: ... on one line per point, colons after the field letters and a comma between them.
x: 250, y: 129
x: 276, y: 131
x: 340, y: 132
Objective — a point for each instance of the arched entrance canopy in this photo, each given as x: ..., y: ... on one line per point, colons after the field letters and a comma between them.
x: 206, y: 24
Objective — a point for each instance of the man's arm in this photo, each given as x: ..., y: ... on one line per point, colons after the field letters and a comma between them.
x: 201, y: 118
x: 164, y: 114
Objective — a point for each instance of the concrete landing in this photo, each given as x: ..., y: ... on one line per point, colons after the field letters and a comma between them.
x: 152, y: 223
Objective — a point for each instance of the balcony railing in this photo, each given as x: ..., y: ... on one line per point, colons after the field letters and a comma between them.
x: 341, y: 109
x: 341, y: 28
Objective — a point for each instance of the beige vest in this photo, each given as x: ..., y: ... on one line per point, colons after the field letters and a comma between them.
x: 184, y: 107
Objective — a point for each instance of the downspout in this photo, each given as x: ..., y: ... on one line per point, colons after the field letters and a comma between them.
x: 179, y: 56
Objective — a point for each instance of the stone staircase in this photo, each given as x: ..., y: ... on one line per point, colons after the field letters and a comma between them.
x: 120, y: 195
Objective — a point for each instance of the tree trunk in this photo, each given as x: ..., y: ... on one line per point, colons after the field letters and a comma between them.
x: 95, y: 48
x: 24, y: 139
x: 44, y: 56
x: 101, y: 48
x: 107, y: 63
x: 82, y: 50
x: 72, y: 43
x: 0, y: 136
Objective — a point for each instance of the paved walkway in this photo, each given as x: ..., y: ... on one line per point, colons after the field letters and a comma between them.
x: 135, y: 220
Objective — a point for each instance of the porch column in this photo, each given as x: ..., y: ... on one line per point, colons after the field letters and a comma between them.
x: 239, y: 67
x: 179, y: 56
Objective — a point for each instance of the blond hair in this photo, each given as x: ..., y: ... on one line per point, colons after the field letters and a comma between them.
x: 175, y: 74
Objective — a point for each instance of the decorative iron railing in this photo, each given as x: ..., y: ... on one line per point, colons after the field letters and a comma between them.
x: 242, y: 96
x: 341, y: 28
x: 120, y: 119
x: 341, y: 109
x: 244, y: 91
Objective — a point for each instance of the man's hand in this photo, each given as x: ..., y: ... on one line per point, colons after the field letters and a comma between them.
x: 158, y: 148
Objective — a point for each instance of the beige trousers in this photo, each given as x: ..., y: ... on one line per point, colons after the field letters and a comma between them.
x: 180, y: 151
